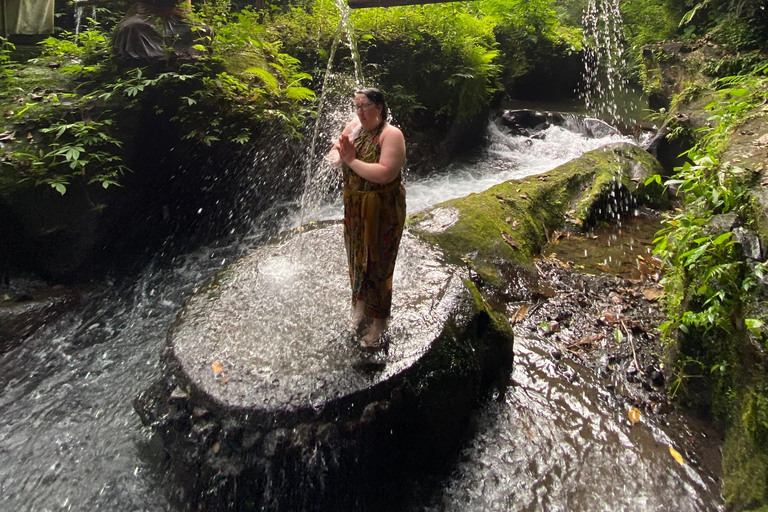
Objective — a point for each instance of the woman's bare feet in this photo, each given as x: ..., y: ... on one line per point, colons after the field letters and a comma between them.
x: 357, y: 316
x: 371, y: 338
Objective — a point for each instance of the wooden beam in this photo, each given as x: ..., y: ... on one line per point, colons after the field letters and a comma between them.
x: 360, y: 4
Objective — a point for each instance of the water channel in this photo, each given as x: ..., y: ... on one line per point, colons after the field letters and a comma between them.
x: 553, y: 440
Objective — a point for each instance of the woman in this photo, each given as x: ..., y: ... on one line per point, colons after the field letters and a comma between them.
x: 373, y: 155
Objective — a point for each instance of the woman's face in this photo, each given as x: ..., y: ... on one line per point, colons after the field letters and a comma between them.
x: 368, y: 112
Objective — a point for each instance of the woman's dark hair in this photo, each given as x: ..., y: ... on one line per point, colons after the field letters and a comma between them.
x: 377, y: 98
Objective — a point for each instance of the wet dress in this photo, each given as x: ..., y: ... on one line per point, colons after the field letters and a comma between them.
x: 374, y: 216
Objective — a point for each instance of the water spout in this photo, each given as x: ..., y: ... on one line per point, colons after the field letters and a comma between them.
x: 603, y: 83
x: 318, y: 173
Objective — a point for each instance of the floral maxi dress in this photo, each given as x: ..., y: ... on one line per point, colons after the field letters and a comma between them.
x: 374, y: 216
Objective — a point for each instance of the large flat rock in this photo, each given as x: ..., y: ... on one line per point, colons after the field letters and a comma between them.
x: 271, y: 332
x: 268, y: 398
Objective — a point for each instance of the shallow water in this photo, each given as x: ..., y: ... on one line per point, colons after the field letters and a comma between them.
x: 625, y: 250
x: 556, y: 441
x: 69, y: 439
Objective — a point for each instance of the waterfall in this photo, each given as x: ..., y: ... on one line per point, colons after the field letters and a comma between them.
x: 319, y: 175
x: 604, y: 61
x: 79, y: 16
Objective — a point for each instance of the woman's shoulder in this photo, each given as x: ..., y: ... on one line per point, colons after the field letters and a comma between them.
x: 391, y: 132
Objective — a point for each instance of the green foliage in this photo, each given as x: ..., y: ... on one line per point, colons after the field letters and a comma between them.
x: 76, y: 150
x: 239, y: 84
x: 443, y: 54
x: 647, y: 21
x: 436, y: 63
x: 739, y: 25
x: 79, y: 55
x: 7, y: 66
x: 709, y: 285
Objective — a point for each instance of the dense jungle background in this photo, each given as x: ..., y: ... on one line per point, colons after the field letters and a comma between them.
x: 107, y: 161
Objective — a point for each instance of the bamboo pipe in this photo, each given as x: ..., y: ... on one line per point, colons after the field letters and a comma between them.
x: 360, y: 4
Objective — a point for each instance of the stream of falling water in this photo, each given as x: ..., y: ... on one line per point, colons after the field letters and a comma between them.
x: 69, y: 439
x: 604, y: 86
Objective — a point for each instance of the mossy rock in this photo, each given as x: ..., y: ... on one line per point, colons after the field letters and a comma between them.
x: 745, y: 461
x: 512, y: 221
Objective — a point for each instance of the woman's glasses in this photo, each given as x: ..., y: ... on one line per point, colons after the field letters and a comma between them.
x: 362, y: 106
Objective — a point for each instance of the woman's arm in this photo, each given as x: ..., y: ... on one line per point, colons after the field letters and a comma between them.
x: 391, y: 161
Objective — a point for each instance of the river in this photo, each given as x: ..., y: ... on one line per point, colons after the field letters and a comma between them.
x: 70, y: 440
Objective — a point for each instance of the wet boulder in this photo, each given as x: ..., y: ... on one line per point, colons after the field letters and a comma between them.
x: 29, y: 305
x: 498, y: 232
x: 151, y: 28
x: 266, y: 401
x: 528, y: 122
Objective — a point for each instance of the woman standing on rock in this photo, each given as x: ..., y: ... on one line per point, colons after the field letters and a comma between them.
x: 373, y: 156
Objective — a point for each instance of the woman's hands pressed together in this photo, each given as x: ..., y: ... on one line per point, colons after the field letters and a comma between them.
x: 346, y: 149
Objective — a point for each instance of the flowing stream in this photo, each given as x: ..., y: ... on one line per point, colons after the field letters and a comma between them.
x: 69, y: 439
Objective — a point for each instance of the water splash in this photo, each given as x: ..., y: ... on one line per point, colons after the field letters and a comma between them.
x: 320, y: 177
x: 79, y: 9
x: 346, y: 22
x: 78, y: 16
x: 604, y: 61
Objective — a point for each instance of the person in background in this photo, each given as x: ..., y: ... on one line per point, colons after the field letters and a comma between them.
x: 372, y: 155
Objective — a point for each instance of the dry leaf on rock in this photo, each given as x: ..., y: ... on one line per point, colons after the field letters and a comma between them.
x: 634, y: 415
x: 509, y: 239
x: 519, y: 315
x: 217, y: 367
x: 676, y: 455
x: 653, y: 293
x: 585, y: 341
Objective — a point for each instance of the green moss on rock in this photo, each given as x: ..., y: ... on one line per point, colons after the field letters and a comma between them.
x: 512, y: 221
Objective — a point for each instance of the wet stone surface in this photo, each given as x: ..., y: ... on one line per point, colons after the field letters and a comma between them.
x: 271, y: 332
x: 266, y: 391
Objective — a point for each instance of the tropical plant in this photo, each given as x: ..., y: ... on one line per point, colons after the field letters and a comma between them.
x: 709, y: 284
x: 239, y: 84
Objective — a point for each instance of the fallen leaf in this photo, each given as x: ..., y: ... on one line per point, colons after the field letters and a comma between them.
x: 508, y: 220
x: 609, y: 317
x: 217, y: 367
x: 224, y: 380
x: 216, y: 447
x: 653, y: 293
x: 7, y: 135
x: 634, y: 415
x: 509, y: 239
x: 519, y: 315
x: 676, y: 455
x: 585, y: 341
x: 523, y: 196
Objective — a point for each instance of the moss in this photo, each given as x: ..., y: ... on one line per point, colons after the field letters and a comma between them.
x: 512, y: 221
x: 745, y: 463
